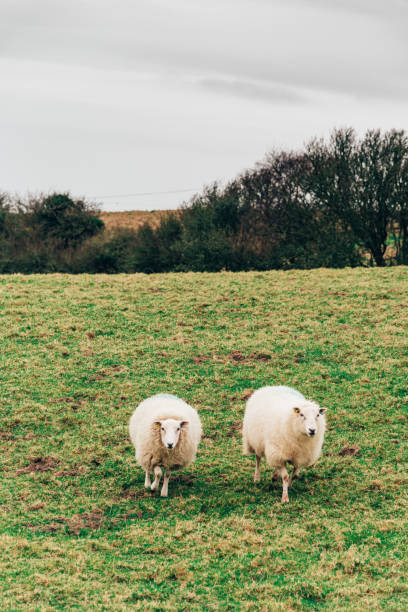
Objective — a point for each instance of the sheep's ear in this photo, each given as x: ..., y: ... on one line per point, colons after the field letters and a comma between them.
x: 183, y: 423
x: 157, y: 423
x: 297, y: 410
x: 322, y: 410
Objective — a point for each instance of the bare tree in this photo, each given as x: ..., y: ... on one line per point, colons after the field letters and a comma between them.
x: 362, y: 182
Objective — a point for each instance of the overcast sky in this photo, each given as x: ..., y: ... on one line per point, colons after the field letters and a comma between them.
x: 106, y: 98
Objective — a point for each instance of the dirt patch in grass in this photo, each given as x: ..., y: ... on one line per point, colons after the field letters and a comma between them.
x: 237, y: 356
x: 39, y: 464
x: 75, y: 524
x: 76, y: 398
x: 87, y: 520
x: 107, y: 372
x: 201, y: 359
x: 261, y: 356
x: 247, y: 394
x: 6, y: 435
x: 234, y: 356
x: 37, y: 506
x: 62, y: 400
x: 349, y: 450
x: 186, y: 479
x: 48, y: 463
x: 235, y: 429
x: 72, y: 471
x: 51, y: 527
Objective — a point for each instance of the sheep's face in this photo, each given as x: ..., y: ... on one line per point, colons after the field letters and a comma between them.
x: 170, y: 432
x: 309, y: 418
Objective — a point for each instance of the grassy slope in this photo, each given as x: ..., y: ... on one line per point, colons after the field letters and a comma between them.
x: 133, y: 219
x: 77, y: 528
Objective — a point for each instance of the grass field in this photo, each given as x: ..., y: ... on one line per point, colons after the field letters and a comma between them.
x: 78, y: 530
x: 132, y: 219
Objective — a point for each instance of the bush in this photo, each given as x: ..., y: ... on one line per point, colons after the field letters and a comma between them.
x: 109, y: 254
x: 63, y: 222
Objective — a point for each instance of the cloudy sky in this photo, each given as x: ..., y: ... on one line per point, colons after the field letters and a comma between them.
x: 109, y: 98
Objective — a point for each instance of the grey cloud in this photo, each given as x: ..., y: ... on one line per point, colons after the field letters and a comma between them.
x: 367, y: 7
x: 310, y: 47
x: 258, y: 91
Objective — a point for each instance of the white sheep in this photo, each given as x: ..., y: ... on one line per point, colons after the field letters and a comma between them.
x: 166, y: 432
x: 281, y: 425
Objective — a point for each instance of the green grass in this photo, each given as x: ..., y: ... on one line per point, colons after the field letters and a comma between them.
x: 77, y: 528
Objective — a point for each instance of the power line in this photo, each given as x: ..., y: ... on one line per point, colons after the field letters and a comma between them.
x: 142, y: 193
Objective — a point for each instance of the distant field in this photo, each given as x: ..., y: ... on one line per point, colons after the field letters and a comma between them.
x: 77, y: 529
x: 132, y: 219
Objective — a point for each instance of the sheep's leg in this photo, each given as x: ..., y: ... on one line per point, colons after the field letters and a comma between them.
x: 257, y: 475
x: 275, y: 475
x: 165, y: 487
x: 285, y: 484
x: 295, y: 474
x: 147, y: 480
x: 157, y: 475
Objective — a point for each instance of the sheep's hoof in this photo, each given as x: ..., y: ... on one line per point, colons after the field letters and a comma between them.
x: 285, y: 499
x: 257, y: 479
x: 163, y: 494
x: 153, y: 487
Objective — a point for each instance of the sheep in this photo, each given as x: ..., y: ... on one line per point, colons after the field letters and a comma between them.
x: 281, y: 425
x: 166, y: 432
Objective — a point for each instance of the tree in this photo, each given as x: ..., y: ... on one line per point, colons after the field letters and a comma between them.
x: 64, y: 221
x: 399, y: 227
x: 361, y: 181
x: 270, y: 195
x: 4, y: 213
x: 210, y: 224
x: 283, y: 224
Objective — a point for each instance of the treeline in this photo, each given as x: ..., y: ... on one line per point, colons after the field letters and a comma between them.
x: 338, y: 203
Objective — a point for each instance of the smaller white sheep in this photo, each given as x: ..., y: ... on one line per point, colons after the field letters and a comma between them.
x: 166, y: 432
x: 281, y: 425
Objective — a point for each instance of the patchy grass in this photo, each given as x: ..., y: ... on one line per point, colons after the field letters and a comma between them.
x: 77, y: 528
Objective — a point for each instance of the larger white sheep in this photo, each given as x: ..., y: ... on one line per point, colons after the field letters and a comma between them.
x: 166, y: 432
x: 281, y: 425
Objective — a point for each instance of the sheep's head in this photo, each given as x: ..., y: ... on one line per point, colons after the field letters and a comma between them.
x: 309, y: 418
x: 170, y: 430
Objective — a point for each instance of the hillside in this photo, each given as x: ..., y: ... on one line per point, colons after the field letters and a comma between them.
x: 132, y: 219
x: 77, y: 528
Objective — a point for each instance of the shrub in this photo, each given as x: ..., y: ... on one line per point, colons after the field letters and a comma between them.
x: 63, y: 222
